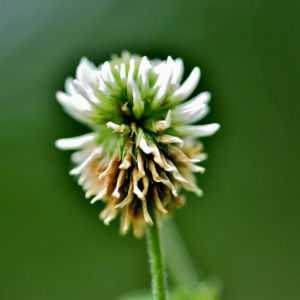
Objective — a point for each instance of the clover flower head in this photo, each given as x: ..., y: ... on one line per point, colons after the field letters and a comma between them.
x: 142, y: 149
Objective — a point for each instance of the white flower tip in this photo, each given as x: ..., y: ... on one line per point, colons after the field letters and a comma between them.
x: 116, y: 194
x: 84, y: 60
x: 58, y: 95
x: 60, y: 144
x: 123, y: 74
x: 215, y: 127
x: 205, y: 97
x: 198, y: 130
x: 195, y: 160
x: 186, y: 89
x: 177, y: 71
x: 107, y: 221
x: 74, y: 172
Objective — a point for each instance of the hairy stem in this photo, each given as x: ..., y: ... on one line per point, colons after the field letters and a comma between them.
x: 159, y: 287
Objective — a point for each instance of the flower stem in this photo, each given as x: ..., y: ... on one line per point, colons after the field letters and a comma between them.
x: 159, y: 287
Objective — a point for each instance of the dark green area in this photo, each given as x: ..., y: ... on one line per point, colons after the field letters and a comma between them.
x: 245, y: 228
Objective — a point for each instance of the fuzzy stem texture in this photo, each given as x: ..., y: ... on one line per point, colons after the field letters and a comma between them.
x: 159, y: 286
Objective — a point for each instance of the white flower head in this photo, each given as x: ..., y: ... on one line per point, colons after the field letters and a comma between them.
x: 142, y: 148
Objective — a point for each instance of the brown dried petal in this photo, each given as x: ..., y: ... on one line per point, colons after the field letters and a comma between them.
x: 144, y: 146
x: 126, y: 218
x: 110, y: 177
x: 168, y: 139
x: 176, y: 173
x: 129, y: 197
x: 136, y: 189
x: 121, y: 179
x: 167, y: 166
x: 146, y: 213
x: 157, y: 200
x: 126, y: 161
x: 112, y: 215
x: 176, y: 153
x: 162, y: 177
x: 157, y: 155
x: 113, y: 163
x: 163, y: 125
x: 109, y: 206
x: 133, y: 129
x: 140, y: 165
x: 138, y: 223
x: 178, y: 201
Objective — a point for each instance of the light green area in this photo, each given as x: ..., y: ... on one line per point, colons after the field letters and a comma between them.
x: 245, y: 228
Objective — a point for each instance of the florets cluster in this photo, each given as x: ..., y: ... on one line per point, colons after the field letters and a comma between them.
x: 141, y: 150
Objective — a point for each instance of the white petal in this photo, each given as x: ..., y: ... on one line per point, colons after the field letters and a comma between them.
x: 158, y: 66
x: 186, y: 88
x: 130, y: 77
x: 108, y: 76
x: 123, y: 74
x: 138, y: 104
x: 79, y: 156
x: 87, y: 74
x: 187, y: 115
x: 198, y: 131
x: 177, y: 71
x: 201, y: 115
x: 202, y: 98
x: 70, y: 87
x: 143, y: 80
x: 76, y: 107
x: 103, y: 87
x: 162, y: 78
x: 77, y: 103
x: 92, y: 99
x: 76, y: 142
x: 95, y: 154
x: 164, y: 88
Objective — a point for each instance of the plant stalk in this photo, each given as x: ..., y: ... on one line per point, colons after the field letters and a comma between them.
x: 159, y: 286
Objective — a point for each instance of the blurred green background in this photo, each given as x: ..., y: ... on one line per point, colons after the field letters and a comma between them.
x: 245, y: 228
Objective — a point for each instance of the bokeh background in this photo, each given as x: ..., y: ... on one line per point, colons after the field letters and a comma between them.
x: 245, y: 228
